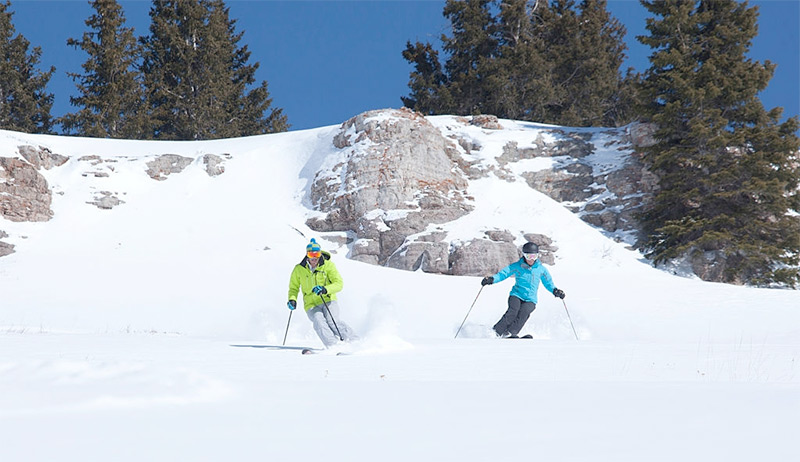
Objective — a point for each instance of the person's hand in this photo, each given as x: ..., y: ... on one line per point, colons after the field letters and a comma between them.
x: 488, y: 280
x: 319, y: 290
x: 292, y: 304
x: 559, y: 293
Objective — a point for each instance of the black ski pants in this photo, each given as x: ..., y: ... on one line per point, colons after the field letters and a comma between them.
x: 515, y: 317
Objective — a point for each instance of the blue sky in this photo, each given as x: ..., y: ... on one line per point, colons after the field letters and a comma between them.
x: 326, y: 61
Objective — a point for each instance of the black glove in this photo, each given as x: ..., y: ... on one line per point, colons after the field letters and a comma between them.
x: 319, y: 290
x: 292, y: 304
x: 488, y: 280
x: 559, y: 293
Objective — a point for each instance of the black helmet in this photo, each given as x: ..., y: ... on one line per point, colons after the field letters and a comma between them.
x: 530, y: 247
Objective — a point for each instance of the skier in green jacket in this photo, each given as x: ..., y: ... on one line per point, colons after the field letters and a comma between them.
x: 319, y: 280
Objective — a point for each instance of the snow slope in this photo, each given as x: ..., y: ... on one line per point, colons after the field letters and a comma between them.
x: 154, y: 331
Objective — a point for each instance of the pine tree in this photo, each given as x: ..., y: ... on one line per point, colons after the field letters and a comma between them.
x: 728, y: 169
x: 519, y: 81
x: 428, y: 82
x: 196, y: 76
x: 111, y: 96
x: 470, y: 49
x: 248, y: 108
x: 457, y: 87
x: 585, y: 46
x: 24, y: 102
x: 525, y: 60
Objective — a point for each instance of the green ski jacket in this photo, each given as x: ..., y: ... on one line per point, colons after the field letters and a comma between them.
x: 303, y: 279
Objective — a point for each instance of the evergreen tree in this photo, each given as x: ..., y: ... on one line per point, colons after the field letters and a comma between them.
x: 24, y: 102
x: 428, y: 82
x: 524, y: 60
x: 196, y: 76
x: 519, y: 81
x: 470, y: 49
x: 248, y: 108
x: 728, y: 169
x: 586, y: 48
x: 111, y: 98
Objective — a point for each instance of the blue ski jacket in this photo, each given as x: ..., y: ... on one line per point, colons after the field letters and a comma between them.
x: 527, y: 279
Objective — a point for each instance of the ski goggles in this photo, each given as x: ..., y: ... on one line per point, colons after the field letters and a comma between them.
x: 531, y: 255
x: 314, y: 253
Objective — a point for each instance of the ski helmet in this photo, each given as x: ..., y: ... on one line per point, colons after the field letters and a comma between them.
x: 530, y: 247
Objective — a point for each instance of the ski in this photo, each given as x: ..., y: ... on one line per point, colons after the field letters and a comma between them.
x: 270, y: 347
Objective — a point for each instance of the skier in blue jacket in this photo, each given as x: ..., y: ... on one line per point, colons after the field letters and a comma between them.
x: 528, y: 272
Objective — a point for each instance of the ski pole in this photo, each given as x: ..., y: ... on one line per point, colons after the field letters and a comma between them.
x: 470, y: 309
x: 570, y: 319
x: 333, y: 320
x: 287, y: 326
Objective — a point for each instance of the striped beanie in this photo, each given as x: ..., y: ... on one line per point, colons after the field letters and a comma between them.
x: 313, y: 246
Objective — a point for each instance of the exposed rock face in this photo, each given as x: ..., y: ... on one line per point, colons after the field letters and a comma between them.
x: 213, y: 164
x: 606, y: 199
x: 24, y: 193
x: 41, y: 157
x: 430, y: 257
x: 487, y: 121
x: 482, y: 257
x: 641, y: 134
x: 568, y: 184
x: 709, y: 266
x: 397, y: 176
x: 393, y: 177
x: 163, y: 166
x: 106, y: 200
x: 102, y: 167
x: 631, y: 187
x: 5, y: 249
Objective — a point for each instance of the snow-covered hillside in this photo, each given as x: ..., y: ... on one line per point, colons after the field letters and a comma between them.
x: 152, y: 330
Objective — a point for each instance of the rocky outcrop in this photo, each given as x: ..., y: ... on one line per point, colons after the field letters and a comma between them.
x: 103, y: 168
x: 641, y: 135
x: 213, y: 164
x: 5, y: 248
x: 394, y: 175
x: 164, y: 165
x: 41, y: 157
x: 26, y: 197
x: 625, y: 192
x: 106, y: 200
x: 481, y: 257
x: 486, y: 121
x: 24, y: 192
x: 608, y: 199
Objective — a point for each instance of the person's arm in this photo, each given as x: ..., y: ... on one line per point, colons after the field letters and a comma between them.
x: 547, y: 281
x: 503, y: 274
x: 335, y: 281
x: 294, y: 284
